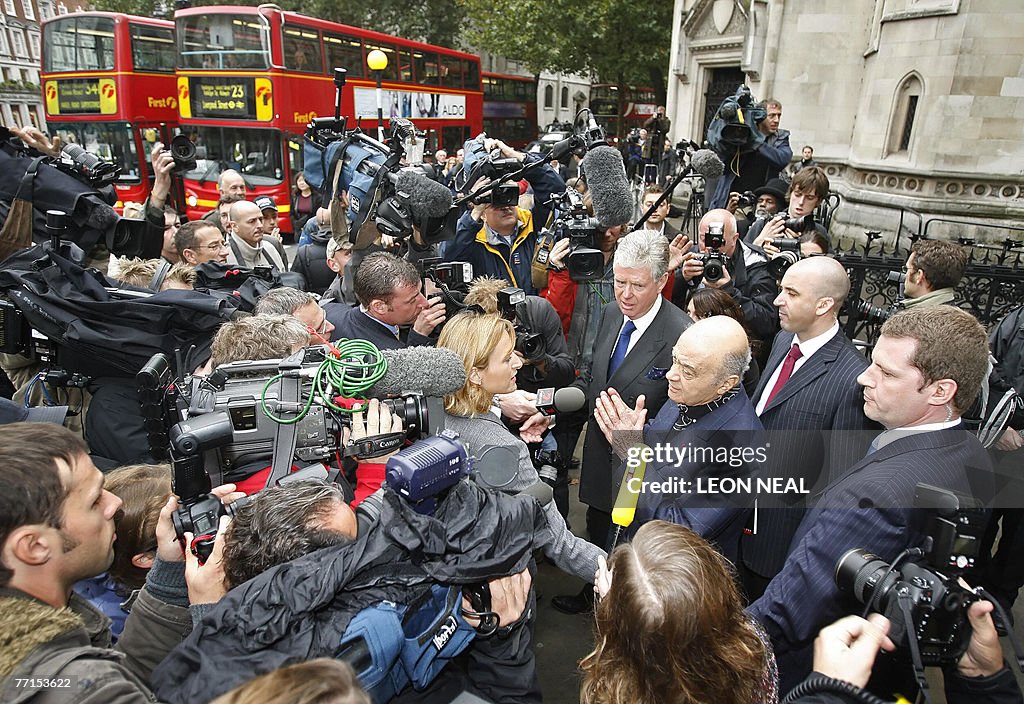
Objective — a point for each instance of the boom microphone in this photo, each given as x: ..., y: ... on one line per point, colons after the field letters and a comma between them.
x: 426, y: 197
x: 706, y: 163
x: 432, y: 371
x: 609, y: 189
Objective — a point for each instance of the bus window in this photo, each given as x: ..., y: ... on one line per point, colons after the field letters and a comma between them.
x: 218, y: 41
x: 345, y: 52
x: 79, y: 44
x: 426, y: 68
x: 451, y: 72
x: 254, y: 153
x: 471, y: 75
x: 110, y: 141
x: 302, y: 50
x: 294, y: 154
x: 152, y: 48
x: 404, y: 65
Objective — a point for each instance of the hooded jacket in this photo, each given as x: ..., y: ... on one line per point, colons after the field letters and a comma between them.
x: 300, y: 610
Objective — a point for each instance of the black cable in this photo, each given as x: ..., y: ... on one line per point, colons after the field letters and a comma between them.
x: 820, y: 683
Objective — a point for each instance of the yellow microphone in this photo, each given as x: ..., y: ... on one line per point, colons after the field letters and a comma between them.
x: 624, y: 509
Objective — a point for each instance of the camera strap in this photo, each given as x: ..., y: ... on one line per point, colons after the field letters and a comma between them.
x: 375, y: 445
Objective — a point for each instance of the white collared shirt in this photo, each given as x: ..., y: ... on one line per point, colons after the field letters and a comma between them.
x: 807, y: 348
x: 894, y: 434
x: 641, y: 323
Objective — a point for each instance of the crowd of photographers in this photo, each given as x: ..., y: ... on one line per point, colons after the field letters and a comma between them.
x: 548, y: 313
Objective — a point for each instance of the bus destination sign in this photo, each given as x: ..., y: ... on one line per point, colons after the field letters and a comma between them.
x: 223, y: 96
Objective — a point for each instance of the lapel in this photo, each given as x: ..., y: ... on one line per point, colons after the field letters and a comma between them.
x: 912, y: 443
x: 780, y: 347
x: 607, y: 334
x: 637, y: 362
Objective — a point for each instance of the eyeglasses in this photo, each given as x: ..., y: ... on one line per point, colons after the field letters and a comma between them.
x: 215, y: 246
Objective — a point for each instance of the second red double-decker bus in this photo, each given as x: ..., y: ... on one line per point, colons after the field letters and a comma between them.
x: 109, y: 86
x: 510, y: 108
x: 250, y: 79
x: 620, y: 110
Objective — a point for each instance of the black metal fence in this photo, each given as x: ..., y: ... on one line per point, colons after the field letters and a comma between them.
x: 993, y: 282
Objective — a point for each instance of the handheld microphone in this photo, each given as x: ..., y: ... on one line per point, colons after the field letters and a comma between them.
x: 566, y: 400
x: 432, y: 371
x: 609, y: 188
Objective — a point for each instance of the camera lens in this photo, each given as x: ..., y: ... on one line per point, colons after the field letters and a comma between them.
x: 860, y: 572
x: 182, y: 148
x: 412, y: 411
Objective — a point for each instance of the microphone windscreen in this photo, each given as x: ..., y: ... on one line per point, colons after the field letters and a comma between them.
x: 609, y: 189
x: 426, y: 197
x: 432, y: 371
x: 707, y: 163
x: 569, y: 399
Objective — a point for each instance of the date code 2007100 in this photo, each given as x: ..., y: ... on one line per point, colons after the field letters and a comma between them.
x: 42, y: 683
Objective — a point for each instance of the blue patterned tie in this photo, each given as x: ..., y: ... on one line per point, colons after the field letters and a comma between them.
x: 620, y: 347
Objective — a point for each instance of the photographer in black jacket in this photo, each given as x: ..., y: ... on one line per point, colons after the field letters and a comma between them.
x: 745, y: 276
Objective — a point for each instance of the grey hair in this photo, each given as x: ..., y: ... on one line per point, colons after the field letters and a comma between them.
x: 280, y: 524
x: 283, y: 301
x: 733, y: 363
x: 258, y: 337
x: 643, y: 249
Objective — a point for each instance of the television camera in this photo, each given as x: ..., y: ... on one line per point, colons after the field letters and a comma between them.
x: 734, y: 127
x: 384, y: 197
x: 79, y: 184
x: 250, y: 414
x: 585, y: 262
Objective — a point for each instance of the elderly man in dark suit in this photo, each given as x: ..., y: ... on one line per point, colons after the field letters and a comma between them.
x: 632, y: 351
x: 926, y: 369
x: 809, y: 401
x: 706, y: 432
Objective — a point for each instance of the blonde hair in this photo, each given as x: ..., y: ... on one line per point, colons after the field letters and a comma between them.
x: 483, y: 292
x: 140, y: 272
x: 319, y: 681
x: 473, y: 337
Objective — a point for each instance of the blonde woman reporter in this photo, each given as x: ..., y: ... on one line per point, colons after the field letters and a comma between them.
x: 486, y: 344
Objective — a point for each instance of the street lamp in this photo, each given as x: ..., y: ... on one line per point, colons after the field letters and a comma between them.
x: 377, y: 60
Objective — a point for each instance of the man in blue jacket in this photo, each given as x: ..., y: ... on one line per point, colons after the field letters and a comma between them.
x: 499, y: 240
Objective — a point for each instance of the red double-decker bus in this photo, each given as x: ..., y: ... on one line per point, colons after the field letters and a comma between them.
x: 510, y: 108
x: 109, y: 86
x: 621, y: 109
x: 250, y: 79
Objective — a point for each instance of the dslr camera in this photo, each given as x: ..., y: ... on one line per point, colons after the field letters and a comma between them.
x: 715, y: 262
x: 800, y: 225
x: 747, y: 200
x: 184, y: 152
x: 789, y: 254
x: 512, y: 306
x: 876, y: 314
x: 923, y: 599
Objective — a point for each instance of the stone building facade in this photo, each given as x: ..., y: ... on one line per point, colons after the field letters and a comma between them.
x: 913, y: 107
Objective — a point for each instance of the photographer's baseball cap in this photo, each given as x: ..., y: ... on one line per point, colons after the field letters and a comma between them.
x: 776, y: 187
x: 265, y: 203
x: 11, y: 412
x: 334, y: 245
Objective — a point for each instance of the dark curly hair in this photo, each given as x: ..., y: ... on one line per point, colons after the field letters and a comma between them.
x: 672, y: 626
x: 281, y: 524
